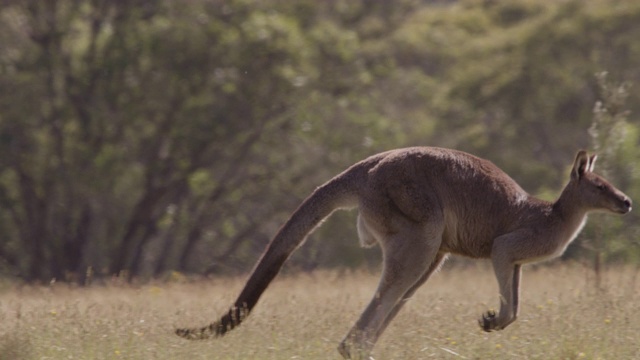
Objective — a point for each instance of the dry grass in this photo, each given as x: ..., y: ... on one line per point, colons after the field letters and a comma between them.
x: 305, y: 317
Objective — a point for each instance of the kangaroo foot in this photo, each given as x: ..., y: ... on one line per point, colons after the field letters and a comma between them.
x: 346, y: 350
x: 343, y: 349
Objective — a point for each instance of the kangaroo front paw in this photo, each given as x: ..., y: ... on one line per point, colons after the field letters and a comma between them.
x: 489, y: 321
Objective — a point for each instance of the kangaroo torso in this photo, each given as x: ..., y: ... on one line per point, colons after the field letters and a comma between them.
x: 474, y: 198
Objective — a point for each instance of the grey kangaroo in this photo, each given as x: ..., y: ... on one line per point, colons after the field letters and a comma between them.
x: 420, y: 205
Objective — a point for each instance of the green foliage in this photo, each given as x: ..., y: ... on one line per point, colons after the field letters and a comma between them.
x: 609, y: 133
x: 146, y: 137
x: 608, y: 130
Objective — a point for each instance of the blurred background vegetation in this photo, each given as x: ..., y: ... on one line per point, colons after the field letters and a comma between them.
x: 145, y: 137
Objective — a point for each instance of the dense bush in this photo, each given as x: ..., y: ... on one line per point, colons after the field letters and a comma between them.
x: 148, y: 136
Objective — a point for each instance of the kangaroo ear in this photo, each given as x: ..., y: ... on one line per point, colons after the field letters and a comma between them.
x: 581, y: 165
x: 592, y: 161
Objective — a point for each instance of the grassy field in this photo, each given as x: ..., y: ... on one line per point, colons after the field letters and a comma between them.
x: 305, y: 317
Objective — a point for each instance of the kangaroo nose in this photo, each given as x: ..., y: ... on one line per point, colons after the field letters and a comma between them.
x: 627, y: 203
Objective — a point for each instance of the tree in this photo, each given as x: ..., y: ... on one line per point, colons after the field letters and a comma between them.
x: 134, y: 115
x: 144, y: 137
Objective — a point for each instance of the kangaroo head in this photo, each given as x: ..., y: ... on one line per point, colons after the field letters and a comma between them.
x: 594, y: 192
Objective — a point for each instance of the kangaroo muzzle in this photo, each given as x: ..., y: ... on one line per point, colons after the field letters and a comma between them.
x: 626, y: 205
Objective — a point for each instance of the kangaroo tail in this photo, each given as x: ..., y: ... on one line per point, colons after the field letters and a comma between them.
x: 335, y: 194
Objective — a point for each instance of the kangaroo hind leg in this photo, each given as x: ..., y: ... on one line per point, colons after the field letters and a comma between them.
x: 407, y: 257
x: 433, y: 268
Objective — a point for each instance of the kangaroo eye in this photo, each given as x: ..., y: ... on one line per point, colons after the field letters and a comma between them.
x: 601, y: 187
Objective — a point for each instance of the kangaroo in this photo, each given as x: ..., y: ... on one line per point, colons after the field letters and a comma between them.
x: 421, y: 204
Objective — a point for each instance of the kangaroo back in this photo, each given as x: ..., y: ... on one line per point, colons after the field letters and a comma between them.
x: 337, y: 193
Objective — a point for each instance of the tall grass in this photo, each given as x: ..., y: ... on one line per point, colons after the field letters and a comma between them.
x: 305, y: 317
